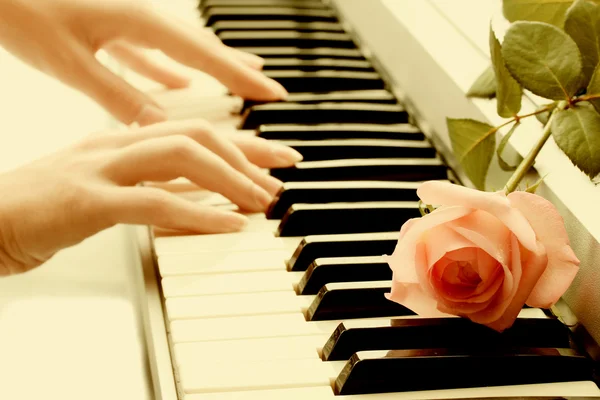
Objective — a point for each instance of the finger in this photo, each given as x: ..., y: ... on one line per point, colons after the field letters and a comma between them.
x: 252, y: 60
x: 179, y: 43
x: 265, y: 153
x: 167, y: 158
x: 117, y: 96
x: 201, y: 132
x: 138, y: 61
x: 151, y: 206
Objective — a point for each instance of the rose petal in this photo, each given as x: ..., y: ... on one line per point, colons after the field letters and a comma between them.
x: 448, y: 194
x: 402, y: 261
x: 441, y: 240
x: 510, y: 285
x: 497, y: 235
x: 549, y: 228
x: 411, y: 296
x: 533, y: 268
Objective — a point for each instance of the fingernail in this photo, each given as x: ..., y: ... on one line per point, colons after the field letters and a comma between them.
x: 285, y: 156
x: 262, y: 198
x: 151, y: 114
x: 234, y: 222
x: 278, y: 89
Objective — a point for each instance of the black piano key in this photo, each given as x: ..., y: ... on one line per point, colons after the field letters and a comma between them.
x: 354, y: 300
x: 315, y: 4
x: 318, y: 150
x: 224, y: 26
x: 305, y: 54
x: 430, y: 333
x: 338, y: 192
x: 216, y: 14
x: 354, y: 245
x: 326, y: 81
x: 380, y: 169
x: 340, y: 131
x: 280, y: 113
x: 349, y: 269
x: 433, y: 369
x: 307, y: 40
x: 340, y: 218
x: 297, y: 64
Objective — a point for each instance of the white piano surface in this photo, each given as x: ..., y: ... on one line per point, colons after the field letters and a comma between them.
x: 70, y: 329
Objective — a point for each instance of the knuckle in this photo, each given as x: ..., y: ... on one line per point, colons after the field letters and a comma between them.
x: 181, y: 147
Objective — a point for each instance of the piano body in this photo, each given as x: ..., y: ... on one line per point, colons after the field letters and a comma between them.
x: 220, y: 315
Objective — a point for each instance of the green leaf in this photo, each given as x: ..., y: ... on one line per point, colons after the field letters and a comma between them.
x: 508, y: 91
x: 503, y: 164
x: 484, y: 86
x: 583, y: 25
x: 575, y: 131
x: 550, y: 11
x: 543, y: 59
x: 594, y: 87
x: 473, y: 143
x: 545, y: 116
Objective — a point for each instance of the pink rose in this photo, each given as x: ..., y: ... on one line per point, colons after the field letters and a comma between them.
x: 481, y: 255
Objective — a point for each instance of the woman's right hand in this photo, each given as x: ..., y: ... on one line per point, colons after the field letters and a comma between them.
x: 60, y: 200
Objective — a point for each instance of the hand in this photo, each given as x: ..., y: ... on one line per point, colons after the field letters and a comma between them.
x: 61, y: 37
x: 60, y: 200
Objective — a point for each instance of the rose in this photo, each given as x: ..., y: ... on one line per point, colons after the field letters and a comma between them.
x: 481, y: 255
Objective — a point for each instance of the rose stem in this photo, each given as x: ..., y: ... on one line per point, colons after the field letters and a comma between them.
x: 528, y: 161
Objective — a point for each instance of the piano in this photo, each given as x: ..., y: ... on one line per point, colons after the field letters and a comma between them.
x: 293, y: 306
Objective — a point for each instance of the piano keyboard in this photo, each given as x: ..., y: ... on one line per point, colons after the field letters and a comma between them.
x: 293, y: 307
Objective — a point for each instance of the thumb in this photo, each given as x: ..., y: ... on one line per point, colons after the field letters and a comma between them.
x: 122, y: 100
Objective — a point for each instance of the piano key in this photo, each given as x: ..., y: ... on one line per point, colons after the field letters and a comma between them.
x: 354, y: 245
x: 224, y: 26
x: 354, y: 300
x: 380, y: 169
x: 224, y: 261
x: 326, y: 81
x: 541, y: 391
x: 344, y: 191
x: 238, y: 241
x: 237, y: 305
x: 270, y: 326
x: 216, y: 14
x: 305, y: 54
x: 427, y: 369
x: 342, y: 112
x: 396, y: 334
x: 345, y: 96
x: 340, y: 218
x: 340, y: 131
x: 306, y: 40
x: 347, y: 269
x: 225, y: 283
x: 297, y: 64
x: 263, y: 3
x: 256, y: 375
x: 319, y: 150
x: 282, y: 348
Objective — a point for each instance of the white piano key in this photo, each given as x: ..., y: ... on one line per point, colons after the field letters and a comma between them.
x: 231, y: 305
x: 277, y: 325
x: 222, y: 262
x: 199, y: 285
x: 247, y: 327
x: 563, y: 389
x: 283, y: 348
x: 210, y: 377
x: 234, y: 242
